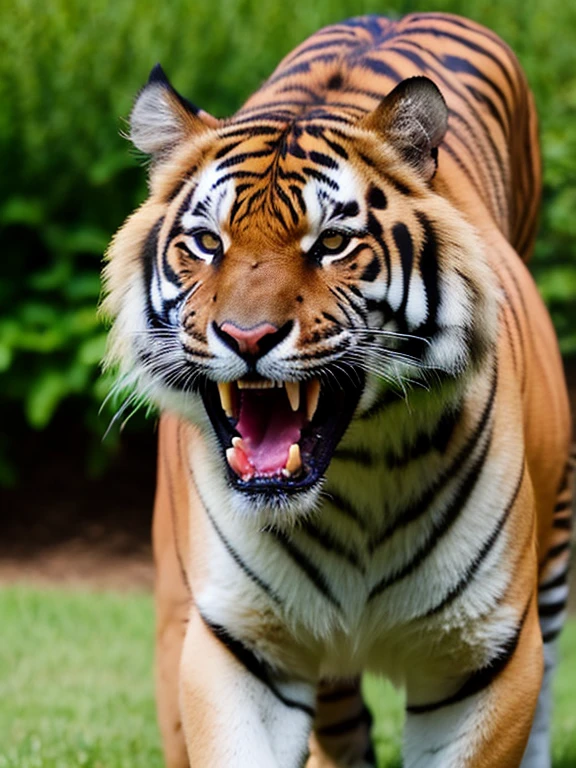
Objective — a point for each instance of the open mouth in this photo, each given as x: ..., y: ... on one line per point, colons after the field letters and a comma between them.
x: 280, y: 435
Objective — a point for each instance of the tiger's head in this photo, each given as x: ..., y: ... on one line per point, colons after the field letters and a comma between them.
x: 285, y: 270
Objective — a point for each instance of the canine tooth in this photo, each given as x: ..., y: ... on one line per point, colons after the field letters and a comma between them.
x: 225, y: 390
x: 237, y: 442
x: 312, y: 397
x: 294, y: 459
x: 293, y: 392
x: 231, y: 459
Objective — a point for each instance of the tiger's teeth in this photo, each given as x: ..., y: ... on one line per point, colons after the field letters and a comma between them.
x: 312, y: 397
x: 231, y: 459
x: 237, y: 442
x: 294, y: 459
x: 225, y: 390
x: 260, y: 384
x: 293, y: 392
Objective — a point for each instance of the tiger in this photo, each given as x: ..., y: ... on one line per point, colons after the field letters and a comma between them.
x: 364, y: 443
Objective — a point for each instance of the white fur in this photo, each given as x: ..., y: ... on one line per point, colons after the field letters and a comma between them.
x: 154, y: 125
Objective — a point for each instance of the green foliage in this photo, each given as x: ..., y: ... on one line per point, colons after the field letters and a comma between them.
x: 68, y: 72
x: 76, y: 685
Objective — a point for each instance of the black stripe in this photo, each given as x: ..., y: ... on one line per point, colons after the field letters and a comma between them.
x: 148, y: 257
x: 403, y: 242
x: 239, y: 175
x: 562, y: 523
x: 467, y: 43
x: 561, y: 506
x: 299, y: 68
x: 346, y: 507
x: 322, y: 159
x: 472, y: 27
x: 446, y: 147
x: 254, y: 665
x: 482, y: 98
x: 371, y: 271
x: 330, y: 544
x: 465, y: 66
x: 509, y: 305
x: 297, y: 192
x: 238, y: 560
x: 425, y: 442
x: 380, y: 68
x: 473, y: 567
x: 418, y: 508
x: 320, y: 46
x: 557, y: 581
x: 489, y: 178
x: 559, y: 549
x: 316, y: 577
x: 337, y: 29
x: 336, y: 147
x: 448, y: 517
x: 551, y: 609
x: 376, y: 198
x: 248, y: 131
x: 225, y: 149
x: 480, y: 679
x: 549, y: 637
x: 316, y: 174
x: 242, y: 157
x: 360, y: 456
x: 288, y: 203
x: 429, y: 271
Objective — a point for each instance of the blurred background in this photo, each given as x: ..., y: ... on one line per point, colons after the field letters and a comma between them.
x: 76, y: 509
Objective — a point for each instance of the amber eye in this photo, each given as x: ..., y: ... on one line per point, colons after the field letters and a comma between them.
x: 207, y: 241
x: 333, y: 241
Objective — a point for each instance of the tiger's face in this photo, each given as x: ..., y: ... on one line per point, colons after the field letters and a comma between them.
x: 282, y: 275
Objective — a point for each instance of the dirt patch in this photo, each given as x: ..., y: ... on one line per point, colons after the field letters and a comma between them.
x: 63, y: 526
x: 76, y: 564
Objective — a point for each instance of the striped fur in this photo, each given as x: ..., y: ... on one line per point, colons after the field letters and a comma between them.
x: 435, y: 550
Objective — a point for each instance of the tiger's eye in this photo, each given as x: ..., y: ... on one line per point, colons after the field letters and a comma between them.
x: 208, y: 241
x: 333, y: 241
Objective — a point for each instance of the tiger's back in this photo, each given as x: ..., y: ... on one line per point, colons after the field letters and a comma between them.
x: 290, y: 237
x: 491, y: 149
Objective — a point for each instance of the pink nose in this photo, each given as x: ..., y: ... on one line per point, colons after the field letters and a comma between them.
x: 248, y: 338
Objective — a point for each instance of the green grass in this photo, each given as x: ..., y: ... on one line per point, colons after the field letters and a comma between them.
x: 76, y: 685
x: 76, y: 680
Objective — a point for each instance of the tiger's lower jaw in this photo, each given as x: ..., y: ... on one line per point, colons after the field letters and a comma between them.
x: 278, y: 438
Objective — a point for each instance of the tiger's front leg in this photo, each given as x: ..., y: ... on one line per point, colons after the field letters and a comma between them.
x: 234, y: 710
x: 487, y: 721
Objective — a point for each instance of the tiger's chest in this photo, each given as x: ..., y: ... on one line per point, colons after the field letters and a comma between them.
x: 374, y: 578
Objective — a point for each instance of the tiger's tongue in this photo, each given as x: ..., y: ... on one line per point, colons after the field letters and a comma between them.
x: 268, y: 427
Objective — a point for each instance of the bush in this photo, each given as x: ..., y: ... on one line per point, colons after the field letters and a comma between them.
x: 68, y: 73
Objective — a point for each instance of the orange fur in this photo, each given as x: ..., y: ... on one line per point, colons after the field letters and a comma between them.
x: 483, y: 204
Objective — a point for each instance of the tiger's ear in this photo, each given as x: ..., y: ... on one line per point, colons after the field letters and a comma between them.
x: 161, y: 119
x: 413, y: 118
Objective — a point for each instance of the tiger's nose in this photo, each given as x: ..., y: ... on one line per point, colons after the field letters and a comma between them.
x: 252, y: 341
x: 248, y: 339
